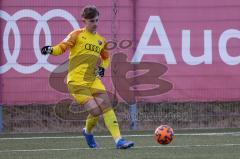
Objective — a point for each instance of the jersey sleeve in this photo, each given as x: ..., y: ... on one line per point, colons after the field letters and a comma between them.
x: 105, y: 56
x: 67, y: 43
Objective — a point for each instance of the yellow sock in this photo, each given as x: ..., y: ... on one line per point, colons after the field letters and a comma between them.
x: 110, y: 120
x: 91, y: 122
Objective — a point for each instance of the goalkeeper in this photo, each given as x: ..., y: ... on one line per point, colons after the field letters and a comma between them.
x: 86, y: 48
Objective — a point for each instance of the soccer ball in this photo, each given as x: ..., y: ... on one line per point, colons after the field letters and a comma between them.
x: 164, y: 134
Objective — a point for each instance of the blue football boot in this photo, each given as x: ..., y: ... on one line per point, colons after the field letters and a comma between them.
x: 123, y: 144
x: 89, y: 139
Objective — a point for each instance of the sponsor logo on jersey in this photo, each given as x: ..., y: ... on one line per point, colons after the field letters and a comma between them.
x: 92, y: 47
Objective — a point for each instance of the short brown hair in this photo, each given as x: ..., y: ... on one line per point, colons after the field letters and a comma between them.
x: 89, y: 12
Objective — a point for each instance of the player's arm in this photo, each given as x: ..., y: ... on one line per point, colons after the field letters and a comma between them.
x: 105, y: 59
x: 105, y: 56
x: 105, y: 62
x: 62, y: 46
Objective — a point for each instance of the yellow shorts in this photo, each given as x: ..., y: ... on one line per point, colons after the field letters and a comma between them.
x: 85, y: 92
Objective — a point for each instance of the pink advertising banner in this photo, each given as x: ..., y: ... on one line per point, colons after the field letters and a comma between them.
x: 161, y: 50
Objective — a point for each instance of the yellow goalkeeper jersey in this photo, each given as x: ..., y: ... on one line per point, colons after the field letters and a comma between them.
x: 86, y: 49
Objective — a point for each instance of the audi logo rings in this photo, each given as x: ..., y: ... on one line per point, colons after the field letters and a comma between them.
x: 11, y: 24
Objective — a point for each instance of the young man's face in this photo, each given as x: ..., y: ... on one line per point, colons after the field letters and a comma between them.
x: 91, y: 24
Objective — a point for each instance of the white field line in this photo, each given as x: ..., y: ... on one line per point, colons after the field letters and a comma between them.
x: 107, y: 136
x: 105, y: 148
